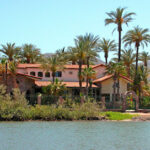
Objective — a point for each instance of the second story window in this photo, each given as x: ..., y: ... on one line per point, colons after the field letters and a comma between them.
x: 47, y: 74
x: 40, y: 74
x: 58, y: 74
x: 32, y: 73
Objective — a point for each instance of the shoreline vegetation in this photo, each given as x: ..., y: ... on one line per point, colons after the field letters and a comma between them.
x: 16, y: 108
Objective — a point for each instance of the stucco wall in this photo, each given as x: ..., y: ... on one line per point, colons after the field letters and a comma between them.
x: 107, y: 86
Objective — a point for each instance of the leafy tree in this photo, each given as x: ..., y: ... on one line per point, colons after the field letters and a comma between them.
x: 119, y: 17
x: 88, y: 74
x: 144, y: 57
x: 115, y: 69
x: 30, y: 53
x: 128, y: 58
x: 139, y: 37
x: 10, y: 50
x: 53, y: 64
x: 55, y: 89
x: 106, y: 46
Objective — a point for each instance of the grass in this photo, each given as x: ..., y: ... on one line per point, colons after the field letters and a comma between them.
x: 118, y: 116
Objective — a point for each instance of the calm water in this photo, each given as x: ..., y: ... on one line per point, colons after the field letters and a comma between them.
x: 75, y: 136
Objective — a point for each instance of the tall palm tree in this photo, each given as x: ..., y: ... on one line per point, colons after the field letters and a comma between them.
x: 80, y: 48
x: 91, y: 43
x: 53, y: 64
x: 10, y: 50
x: 119, y: 17
x: 106, y: 46
x: 128, y: 58
x: 30, y: 53
x: 115, y: 69
x: 88, y: 74
x: 144, y: 57
x: 138, y: 37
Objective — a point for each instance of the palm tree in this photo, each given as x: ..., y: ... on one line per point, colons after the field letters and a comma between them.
x: 80, y: 48
x: 72, y: 55
x: 10, y: 50
x: 144, y: 57
x: 30, y: 53
x: 119, y: 17
x: 88, y: 74
x: 115, y: 69
x: 91, y: 43
x: 128, y: 58
x: 139, y: 37
x: 106, y: 46
x: 53, y: 64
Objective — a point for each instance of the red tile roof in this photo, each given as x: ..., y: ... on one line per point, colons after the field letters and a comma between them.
x: 110, y: 76
x: 29, y: 76
x: 23, y: 66
x: 68, y: 84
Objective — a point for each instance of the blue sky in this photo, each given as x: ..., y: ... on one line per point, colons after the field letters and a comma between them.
x: 53, y: 24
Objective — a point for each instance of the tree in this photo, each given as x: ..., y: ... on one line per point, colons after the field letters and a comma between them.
x: 10, y: 50
x: 119, y: 17
x: 115, y: 69
x: 106, y: 46
x: 128, y: 58
x: 53, y: 64
x: 139, y: 37
x: 57, y: 88
x: 72, y: 55
x: 144, y: 57
x: 30, y: 53
x: 88, y: 74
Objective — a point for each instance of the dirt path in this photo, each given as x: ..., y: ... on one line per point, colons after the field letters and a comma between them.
x: 142, y: 116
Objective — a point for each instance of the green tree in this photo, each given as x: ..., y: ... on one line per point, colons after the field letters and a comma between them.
x: 88, y: 74
x: 106, y: 46
x: 138, y: 37
x: 10, y: 50
x: 128, y: 58
x: 30, y: 53
x: 119, y: 17
x: 116, y: 69
x: 144, y: 57
x: 53, y: 64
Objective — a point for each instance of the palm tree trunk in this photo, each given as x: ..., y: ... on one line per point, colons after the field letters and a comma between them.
x: 53, y: 77
x: 15, y: 85
x: 114, y: 92
x: 106, y: 60
x: 119, y: 46
x: 87, y: 80
x: 6, y: 72
x: 80, y: 70
x: 137, y: 59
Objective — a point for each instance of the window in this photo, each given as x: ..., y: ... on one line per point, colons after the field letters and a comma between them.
x: 70, y: 72
x: 107, y: 97
x: 40, y: 74
x: 58, y: 74
x: 32, y: 73
x: 47, y: 74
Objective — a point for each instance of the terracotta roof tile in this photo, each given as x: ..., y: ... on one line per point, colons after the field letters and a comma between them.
x: 110, y: 76
x: 66, y: 66
x: 68, y: 84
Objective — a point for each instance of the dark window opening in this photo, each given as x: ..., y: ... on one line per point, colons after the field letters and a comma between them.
x: 40, y: 74
x: 32, y: 73
x: 47, y: 74
x: 107, y: 97
x: 58, y: 74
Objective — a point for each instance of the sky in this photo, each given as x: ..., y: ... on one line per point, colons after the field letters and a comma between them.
x: 53, y: 24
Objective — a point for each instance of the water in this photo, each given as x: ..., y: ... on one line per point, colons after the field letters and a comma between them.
x: 75, y: 135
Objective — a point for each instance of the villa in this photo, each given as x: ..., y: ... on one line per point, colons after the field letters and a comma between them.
x: 31, y: 77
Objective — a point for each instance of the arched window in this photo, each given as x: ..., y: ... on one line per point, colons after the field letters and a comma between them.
x: 58, y: 74
x: 32, y: 73
x: 40, y: 74
x: 47, y: 74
